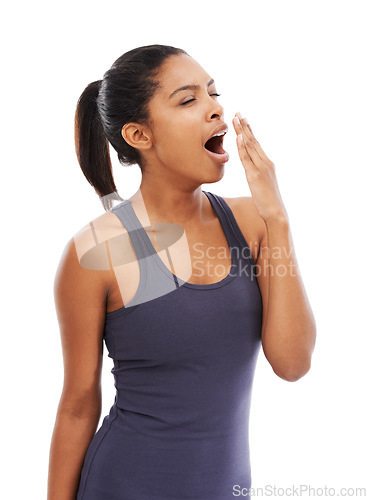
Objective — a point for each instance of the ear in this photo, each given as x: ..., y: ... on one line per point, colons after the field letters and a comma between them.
x: 136, y: 135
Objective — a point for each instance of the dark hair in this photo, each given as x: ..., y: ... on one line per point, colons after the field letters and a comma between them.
x: 122, y: 96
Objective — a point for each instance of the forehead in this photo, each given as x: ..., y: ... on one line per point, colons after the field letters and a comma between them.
x: 179, y: 70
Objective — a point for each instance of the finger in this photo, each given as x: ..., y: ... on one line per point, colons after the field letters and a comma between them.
x: 253, y: 154
x: 242, y: 128
x: 245, y: 157
x: 250, y: 148
x: 239, y: 126
x: 245, y: 126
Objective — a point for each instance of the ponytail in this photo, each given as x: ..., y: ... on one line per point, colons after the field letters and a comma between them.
x: 106, y: 105
x: 91, y: 146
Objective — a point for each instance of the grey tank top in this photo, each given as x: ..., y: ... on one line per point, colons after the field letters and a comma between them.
x: 184, y: 357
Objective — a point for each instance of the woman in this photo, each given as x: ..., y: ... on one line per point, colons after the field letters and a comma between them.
x: 184, y: 343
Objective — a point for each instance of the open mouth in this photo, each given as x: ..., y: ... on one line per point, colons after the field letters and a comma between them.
x: 214, y: 148
x: 214, y: 145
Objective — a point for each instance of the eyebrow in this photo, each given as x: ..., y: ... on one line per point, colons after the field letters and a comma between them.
x: 192, y: 87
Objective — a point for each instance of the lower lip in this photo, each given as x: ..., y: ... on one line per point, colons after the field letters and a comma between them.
x: 222, y: 158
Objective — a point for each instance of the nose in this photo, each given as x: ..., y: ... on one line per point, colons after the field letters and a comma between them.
x: 215, y: 110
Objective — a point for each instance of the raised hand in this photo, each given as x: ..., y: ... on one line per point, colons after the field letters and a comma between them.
x: 260, y: 172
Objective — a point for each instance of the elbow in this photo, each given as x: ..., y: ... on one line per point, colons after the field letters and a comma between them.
x: 294, y: 372
x: 81, y: 404
x: 297, y: 362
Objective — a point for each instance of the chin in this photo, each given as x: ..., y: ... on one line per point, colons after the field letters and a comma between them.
x: 215, y: 174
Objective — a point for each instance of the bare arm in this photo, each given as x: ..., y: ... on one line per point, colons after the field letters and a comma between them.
x: 288, y: 325
x: 289, y: 328
x: 80, y: 299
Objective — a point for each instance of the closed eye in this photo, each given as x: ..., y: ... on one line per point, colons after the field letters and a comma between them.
x: 183, y: 103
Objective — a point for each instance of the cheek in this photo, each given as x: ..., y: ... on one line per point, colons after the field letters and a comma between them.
x: 178, y: 135
x: 178, y: 138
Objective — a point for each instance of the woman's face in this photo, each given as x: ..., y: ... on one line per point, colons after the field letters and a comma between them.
x: 182, y: 122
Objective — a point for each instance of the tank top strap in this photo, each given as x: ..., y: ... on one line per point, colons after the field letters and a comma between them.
x: 127, y: 216
x: 153, y: 283
x: 230, y: 226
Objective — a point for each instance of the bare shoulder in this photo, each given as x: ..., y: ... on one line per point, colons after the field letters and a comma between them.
x: 92, y: 237
x: 101, y: 246
x: 87, y: 249
x: 249, y: 221
x: 82, y: 276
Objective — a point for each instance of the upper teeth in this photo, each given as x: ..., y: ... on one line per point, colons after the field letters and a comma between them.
x: 219, y: 133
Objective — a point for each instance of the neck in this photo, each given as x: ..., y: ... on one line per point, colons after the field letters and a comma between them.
x: 171, y: 204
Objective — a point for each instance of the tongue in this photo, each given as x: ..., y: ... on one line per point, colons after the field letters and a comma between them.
x: 214, y: 144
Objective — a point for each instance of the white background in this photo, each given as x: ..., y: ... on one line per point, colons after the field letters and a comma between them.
x: 297, y: 71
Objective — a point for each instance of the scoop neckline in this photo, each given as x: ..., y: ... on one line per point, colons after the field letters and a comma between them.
x: 198, y: 286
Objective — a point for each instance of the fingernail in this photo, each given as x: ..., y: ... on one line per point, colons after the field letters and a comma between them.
x: 243, y: 119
